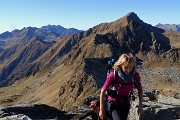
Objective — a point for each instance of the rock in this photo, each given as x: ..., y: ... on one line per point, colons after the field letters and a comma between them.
x: 168, y: 100
x: 177, y: 95
x: 35, y: 111
x: 151, y: 94
x: 17, y: 117
x: 155, y: 111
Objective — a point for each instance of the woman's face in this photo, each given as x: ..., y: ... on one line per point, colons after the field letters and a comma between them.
x: 127, y: 68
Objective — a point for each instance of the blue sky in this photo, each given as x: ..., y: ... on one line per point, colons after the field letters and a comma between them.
x: 83, y: 14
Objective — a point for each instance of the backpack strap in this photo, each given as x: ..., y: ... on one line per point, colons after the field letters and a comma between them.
x: 115, y: 77
x: 135, y: 85
x: 134, y: 80
x: 109, y: 67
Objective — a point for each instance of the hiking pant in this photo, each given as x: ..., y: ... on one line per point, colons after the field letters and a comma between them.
x: 116, y: 112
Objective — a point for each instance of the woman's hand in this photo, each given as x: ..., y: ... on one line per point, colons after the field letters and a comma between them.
x: 101, y: 114
x: 140, y: 108
x: 140, y: 111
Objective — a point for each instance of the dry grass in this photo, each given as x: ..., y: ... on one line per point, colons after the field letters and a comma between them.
x: 161, y: 63
x: 162, y: 83
x: 41, y: 88
x: 174, y: 38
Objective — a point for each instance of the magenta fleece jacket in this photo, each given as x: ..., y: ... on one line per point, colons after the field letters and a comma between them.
x: 123, y: 90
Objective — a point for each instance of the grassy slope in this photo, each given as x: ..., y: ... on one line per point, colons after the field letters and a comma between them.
x: 41, y: 88
x: 160, y: 80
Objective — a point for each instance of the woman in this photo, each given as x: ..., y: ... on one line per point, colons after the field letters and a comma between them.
x: 118, y: 107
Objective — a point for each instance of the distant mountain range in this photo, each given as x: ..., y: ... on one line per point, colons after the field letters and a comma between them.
x: 45, y: 33
x: 172, y: 27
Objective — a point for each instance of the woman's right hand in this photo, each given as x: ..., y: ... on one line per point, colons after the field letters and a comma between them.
x: 101, y: 114
x: 101, y: 111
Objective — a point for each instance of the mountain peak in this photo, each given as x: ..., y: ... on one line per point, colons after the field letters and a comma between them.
x: 125, y: 20
x: 131, y: 16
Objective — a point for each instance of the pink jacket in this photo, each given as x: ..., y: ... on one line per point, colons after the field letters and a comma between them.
x: 123, y: 90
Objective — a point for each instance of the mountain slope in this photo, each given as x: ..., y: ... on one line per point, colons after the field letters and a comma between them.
x: 17, y: 62
x: 174, y: 38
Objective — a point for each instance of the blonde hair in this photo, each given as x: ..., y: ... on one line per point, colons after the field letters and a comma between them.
x: 124, y: 59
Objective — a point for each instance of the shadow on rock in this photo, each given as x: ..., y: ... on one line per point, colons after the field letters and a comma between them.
x: 158, y: 113
x: 36, y: 111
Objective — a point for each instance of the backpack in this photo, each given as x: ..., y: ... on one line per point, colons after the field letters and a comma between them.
x: 113, y: 92
x: 110, y: 66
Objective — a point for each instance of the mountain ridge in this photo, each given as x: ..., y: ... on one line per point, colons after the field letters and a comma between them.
x: 172, y: 27
x: 46, y: 33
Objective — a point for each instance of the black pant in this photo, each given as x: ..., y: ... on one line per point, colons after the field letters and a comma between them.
x: 116, y: 112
